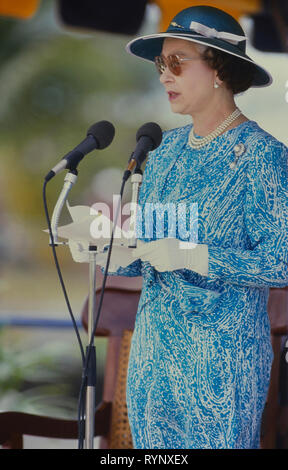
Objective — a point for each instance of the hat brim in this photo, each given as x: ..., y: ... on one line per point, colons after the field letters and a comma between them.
x: 149, y: 46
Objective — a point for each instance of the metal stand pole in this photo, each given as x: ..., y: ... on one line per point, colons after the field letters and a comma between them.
x: 91, y: 371
x: 136, y: 181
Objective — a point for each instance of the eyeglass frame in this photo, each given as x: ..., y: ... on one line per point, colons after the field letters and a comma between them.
x: 180, y: 59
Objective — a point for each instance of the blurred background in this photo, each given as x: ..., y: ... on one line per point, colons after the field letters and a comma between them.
x: 58, y: 75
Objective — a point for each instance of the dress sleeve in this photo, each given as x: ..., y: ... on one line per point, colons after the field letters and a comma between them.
x: 132, y: 270
x: 265, y: 263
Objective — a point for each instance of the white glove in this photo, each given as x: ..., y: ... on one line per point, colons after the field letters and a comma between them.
x: 169, y: 254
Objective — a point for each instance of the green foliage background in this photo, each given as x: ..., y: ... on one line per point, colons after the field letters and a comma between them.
x: 55, y: 83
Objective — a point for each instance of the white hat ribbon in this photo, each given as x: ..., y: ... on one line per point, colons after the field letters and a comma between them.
x: 213, y: 33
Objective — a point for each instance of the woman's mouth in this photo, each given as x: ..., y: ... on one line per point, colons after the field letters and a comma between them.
x: 172, y: 95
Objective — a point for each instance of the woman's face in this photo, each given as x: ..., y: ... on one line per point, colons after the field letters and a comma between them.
x: 192, y: 90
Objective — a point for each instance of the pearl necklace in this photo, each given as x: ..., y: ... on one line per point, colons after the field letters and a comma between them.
x: 197, y: 143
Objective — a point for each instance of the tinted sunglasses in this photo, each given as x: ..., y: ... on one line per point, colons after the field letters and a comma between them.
x: 173, y: 62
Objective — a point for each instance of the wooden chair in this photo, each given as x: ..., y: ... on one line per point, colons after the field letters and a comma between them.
x: 111, y: 422
x: 275, y: 418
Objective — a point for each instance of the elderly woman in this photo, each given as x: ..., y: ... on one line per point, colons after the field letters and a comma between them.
x: 201, y: 355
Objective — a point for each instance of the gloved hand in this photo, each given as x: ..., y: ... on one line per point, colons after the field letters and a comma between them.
x: 121, y: 256
x: 169, y: 254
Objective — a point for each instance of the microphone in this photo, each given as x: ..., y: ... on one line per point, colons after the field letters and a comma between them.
x: 148, y: 138
x: 99, y: 136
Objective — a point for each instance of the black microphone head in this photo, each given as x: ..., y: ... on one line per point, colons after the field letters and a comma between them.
x: 103, y: 132
x: 151, y: 130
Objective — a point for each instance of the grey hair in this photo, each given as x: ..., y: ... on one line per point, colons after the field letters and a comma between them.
x: 200, y: 47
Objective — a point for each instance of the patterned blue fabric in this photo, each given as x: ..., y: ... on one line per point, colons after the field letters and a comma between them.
x: 201, y: 355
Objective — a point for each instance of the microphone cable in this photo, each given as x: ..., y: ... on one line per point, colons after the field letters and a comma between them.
x: 53, y: 246
x: 81, y: 400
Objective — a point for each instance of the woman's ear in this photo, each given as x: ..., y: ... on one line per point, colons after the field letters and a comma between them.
x: 217, y: 81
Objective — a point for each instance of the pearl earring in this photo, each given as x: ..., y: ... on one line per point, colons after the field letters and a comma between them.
x: 216, y: 85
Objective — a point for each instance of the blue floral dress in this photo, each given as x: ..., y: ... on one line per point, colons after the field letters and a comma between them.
x: 201, y: 354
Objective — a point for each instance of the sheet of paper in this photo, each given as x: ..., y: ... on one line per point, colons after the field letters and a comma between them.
x: 95, y: 229
x: 78, y: 212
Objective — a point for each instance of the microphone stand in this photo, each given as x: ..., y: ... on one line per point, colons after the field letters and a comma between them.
x: 91, y: 368
x: 69, y: 181
x: 136, y: 181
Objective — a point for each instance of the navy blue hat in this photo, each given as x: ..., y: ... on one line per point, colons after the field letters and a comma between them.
x: 203, y: 25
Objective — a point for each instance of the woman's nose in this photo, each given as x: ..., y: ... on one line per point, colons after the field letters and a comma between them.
x: 166, y: 76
